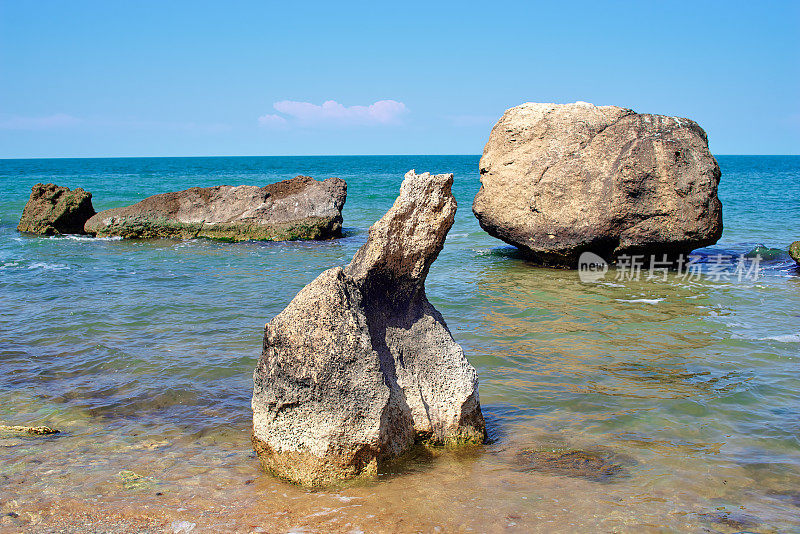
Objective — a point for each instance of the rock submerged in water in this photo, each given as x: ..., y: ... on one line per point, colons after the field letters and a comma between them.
x: 34, y: 430
x: 764, y: 253
x: 589, y: 465
x: 360, y: 366
x: 53, y: 209
x: 560, y: 180
x: 300, y: 208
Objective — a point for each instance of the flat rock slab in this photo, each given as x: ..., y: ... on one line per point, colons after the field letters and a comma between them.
x: 300, y: 208
x: 53, y: 209
x: 560, y: 180
x: 590, y: 465
x: 360, y: 367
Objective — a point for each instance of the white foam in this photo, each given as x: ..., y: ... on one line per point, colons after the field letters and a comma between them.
x: 786, y: 338
x: 47, y: 266
x: 76, y: 237
x: 640, y: 301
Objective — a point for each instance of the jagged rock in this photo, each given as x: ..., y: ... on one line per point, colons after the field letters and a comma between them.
x: 52, y: 209
x: 794, y: 251
x: 559, y: 180
x: 360, y: 366
x: 300, y: 208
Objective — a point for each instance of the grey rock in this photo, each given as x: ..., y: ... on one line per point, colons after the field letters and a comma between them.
x: 559, y: 180
x: 360, y: 366
x: 300, y: 208
x: 53, y: 209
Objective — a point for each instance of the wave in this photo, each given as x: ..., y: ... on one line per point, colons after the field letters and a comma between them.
x: 786, y: 338
x: 642, y: 301
x: 47, y: 266
x: 76, y: 237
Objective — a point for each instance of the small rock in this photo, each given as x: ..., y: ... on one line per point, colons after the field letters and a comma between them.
x: 765, y: 253
x: 35, y: 430
x: 53, y: 209
x: 573, y: 463
x: 130, y: 480
x: 733, y: 520
x: 179, y: 527
x: 794, y: 251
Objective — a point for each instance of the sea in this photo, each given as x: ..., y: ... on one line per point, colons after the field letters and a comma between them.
x: 672, y: 401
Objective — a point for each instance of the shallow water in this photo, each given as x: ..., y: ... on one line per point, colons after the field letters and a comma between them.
x: 142, y: 353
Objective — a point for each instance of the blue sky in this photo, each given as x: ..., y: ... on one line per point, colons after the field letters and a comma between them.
x: 114, y: 78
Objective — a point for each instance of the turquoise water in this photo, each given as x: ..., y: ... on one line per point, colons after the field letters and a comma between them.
x: 142, y: 353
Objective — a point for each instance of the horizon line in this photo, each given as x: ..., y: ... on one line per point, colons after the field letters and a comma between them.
x: 22, y: 158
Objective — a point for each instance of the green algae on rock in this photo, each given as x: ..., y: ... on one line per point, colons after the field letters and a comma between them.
x: 300, y: 208
x: 53, y: 209
x: 764, y: 252
x: 794, y: 251
x: 130, y: 480
x: 360, y: 368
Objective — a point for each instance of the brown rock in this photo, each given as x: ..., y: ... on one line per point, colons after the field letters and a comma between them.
x: 52, y: 209
x: 300, y: 208
x: 559, y: 180
x: 360, y: 366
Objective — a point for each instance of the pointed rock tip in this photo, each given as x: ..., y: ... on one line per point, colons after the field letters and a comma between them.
x: 407, y: 239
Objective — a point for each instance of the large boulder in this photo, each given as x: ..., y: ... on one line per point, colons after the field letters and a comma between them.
x: 52, y: 209
x: 360, y: 366
x: 300, y: 208
x: 559, y: 180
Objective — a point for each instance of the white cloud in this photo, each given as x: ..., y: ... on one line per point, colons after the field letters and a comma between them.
x: 270, y: 119
x: 49, y: 122
x: 334, y: 113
